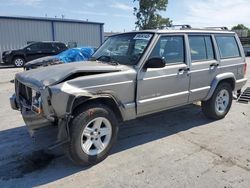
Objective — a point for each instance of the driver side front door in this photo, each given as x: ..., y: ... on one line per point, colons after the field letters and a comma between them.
x: 162, y: 88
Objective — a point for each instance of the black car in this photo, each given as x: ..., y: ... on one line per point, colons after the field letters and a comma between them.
x: 32, y: 51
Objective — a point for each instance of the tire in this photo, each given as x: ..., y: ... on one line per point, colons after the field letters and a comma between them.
x: 220, y: 103
x: 83, y: 131
x: 18, y: 62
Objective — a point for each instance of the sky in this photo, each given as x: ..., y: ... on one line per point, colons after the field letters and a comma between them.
x: 117, y: 15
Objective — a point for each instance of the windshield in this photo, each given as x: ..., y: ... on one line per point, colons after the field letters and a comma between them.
x: 124, y: 49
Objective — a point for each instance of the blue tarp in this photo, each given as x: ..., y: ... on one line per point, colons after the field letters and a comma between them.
x: 75, y: 54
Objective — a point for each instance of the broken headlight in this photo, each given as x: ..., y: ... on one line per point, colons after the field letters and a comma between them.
x: 36, y: 105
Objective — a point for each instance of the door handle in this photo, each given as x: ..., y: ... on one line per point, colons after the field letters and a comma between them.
x: 183, y: 70
x: 214, y: 65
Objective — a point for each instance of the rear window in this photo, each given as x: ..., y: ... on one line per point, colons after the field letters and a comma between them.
x: 61, y: 45
x: 228, y: 47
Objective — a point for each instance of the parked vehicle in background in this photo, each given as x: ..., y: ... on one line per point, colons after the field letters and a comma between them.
x: 246, y: 45
x: 32, y: 51
x: 131, y: 75
x: 68, y: 56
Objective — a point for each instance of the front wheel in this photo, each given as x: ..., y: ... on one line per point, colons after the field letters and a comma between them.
x: 220, y: 103
x: 93, y: 131
x: 18, y: 62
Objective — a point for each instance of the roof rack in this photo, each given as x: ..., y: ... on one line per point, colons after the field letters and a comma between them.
x: 186, y: 26
x: 218, y: 28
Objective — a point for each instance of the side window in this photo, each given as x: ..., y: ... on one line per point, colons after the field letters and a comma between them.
x: 34, y: 47
x: 171, y: 48
x: 59, y: 46
x: 228, y: 47
x: 139, y: 47
x: 201, y: 48
x: 46, y: 46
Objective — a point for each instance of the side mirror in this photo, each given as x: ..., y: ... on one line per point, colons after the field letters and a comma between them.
x: 155, y: 62
x: 28, y: 49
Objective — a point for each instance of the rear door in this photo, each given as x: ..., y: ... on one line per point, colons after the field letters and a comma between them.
x: 162, y: 88
x: 204, y: 65
x: 46, y: 49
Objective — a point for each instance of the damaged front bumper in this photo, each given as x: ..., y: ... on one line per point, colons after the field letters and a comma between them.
x: 13, y: 102
x: 32, y: 120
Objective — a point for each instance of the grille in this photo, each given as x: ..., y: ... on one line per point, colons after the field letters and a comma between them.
x: 23, y: 92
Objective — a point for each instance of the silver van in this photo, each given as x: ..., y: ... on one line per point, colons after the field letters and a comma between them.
x: 131, y: 75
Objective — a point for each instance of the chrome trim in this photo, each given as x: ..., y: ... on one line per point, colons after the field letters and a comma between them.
x: 199, y: 70
x: 231, y: 65
x: 104, y: 85
x: 200, y: 89
x: 163, y: 97
x: 129, y: 105
x: 241, y: 80
x: 162, y: 76
x: 207, y: 69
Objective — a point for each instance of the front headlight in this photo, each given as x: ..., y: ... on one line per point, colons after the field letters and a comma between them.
x: 36, y: 105
x: 7, y: 52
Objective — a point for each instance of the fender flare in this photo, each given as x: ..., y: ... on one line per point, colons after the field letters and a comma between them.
x: 75, y: 101
x: 18, y: 55
x: 63, y: 135
x: 217, y: 80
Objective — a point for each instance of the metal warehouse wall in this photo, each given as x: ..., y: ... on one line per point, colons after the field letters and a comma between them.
x: 16, y: 32
x: 83, y: 34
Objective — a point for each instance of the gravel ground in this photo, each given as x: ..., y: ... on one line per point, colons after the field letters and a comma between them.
x: 176, y: 148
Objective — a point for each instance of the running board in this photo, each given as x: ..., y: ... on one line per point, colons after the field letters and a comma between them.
x: 244, y: 96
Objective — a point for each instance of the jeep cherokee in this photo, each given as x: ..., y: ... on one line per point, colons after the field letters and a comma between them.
x: 131, y: 75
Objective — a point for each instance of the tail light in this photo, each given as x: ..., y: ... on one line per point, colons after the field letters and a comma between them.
x: 245, y: 69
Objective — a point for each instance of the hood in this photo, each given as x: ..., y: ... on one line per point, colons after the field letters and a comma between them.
x: 44, y: 61
x: 52, y: 75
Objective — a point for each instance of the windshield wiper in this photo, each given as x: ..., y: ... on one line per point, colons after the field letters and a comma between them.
x: 107, y: 59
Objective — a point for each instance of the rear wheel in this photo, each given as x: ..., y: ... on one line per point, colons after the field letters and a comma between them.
x: 93, y: 131
x: 18, y: 61
x: 220, y: 103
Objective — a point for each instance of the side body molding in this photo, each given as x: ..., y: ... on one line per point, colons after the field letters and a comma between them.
x: 217, y: 79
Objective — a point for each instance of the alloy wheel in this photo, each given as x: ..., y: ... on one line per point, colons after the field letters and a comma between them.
x: 96, y: 136
x: 19, y: 62
x: 222, y: 101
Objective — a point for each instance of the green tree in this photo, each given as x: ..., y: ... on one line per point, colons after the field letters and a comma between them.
x: 148, y: 14
x: 241, y: 26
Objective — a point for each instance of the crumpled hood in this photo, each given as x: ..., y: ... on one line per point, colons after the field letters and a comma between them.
x: 44, y: 61
x: 52, y: 75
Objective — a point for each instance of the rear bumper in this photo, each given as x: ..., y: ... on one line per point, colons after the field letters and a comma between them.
x: 240, y: 83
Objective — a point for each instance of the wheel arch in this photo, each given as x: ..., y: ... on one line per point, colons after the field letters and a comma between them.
x: 106, y: 100
x: 76, y: 102
x: 18, y: 55
x: 224, y: 77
